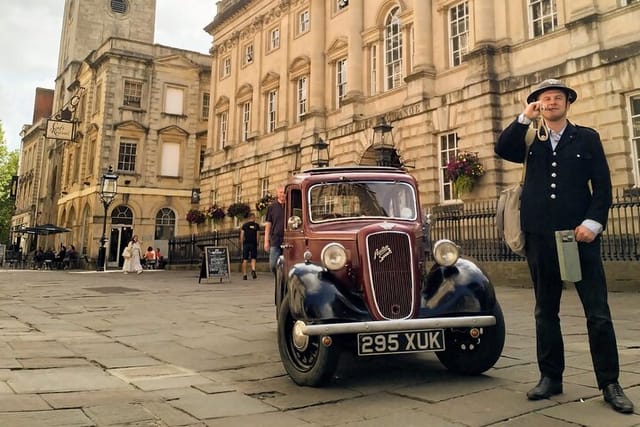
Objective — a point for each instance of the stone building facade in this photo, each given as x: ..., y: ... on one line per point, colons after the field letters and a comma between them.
x: 29, y: 205
x: 448, y: 75
x: 138, y: 107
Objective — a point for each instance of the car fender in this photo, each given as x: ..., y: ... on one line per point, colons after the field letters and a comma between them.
x: 313, y: 296
x: 458, y: 289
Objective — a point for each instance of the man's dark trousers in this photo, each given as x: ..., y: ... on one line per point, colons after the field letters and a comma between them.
x: 592, y: 290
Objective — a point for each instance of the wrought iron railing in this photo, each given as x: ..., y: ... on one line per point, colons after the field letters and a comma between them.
x: 189, y: 249
x: 471, y: 225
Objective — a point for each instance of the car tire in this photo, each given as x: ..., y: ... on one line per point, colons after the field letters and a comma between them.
x: 314, y: 364
x: 460, y: 358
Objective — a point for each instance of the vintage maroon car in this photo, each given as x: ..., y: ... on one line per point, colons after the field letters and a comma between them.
x: 359, y: 274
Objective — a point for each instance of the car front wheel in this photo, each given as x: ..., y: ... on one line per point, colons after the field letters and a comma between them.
x: 473, y: 355
x: 307, y: 361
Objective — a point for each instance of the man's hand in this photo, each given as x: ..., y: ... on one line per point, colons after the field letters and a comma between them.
x: 532, y: 111
x: 583, y: 234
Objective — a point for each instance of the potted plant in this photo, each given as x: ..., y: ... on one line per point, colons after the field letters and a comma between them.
x: 263, y: 203
x: 464, y: 170
x: 216, y: 213
x: 238, y: 210
x: 195, y: 216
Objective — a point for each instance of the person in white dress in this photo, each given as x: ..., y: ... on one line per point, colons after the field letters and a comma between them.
x: 132, y: 255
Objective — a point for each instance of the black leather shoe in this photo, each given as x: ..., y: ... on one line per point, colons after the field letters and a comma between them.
x: 545, y: 389
x: 615, y: 397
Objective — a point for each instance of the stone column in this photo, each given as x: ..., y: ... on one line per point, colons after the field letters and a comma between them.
x: 355, y: 58
x: 423, y: 36
x: 317, y: 79
x: 485, y: 16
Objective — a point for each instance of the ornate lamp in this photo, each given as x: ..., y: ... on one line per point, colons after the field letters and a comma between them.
x: 383, y: 144
x: 108, y: 191
x: 320, y: 153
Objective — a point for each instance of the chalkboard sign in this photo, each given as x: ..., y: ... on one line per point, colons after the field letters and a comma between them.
x: 215, y: 262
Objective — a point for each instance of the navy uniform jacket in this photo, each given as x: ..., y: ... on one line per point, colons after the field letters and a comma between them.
x: 561, y: 188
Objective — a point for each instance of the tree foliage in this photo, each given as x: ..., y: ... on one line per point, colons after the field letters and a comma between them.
x: 8, y: 168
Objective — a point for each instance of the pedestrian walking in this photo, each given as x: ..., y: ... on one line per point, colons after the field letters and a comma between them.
x: 567, y: 186
x: 132, y: 255
x: 249, y: 241
x: 274, y: 228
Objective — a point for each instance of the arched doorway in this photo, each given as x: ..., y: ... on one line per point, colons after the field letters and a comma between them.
x: 121, y: 233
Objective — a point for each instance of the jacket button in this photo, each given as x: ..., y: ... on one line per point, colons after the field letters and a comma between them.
x: 553, y: 185
x: 553, y: 175
x: 554, y: 164
x: 553, y: 196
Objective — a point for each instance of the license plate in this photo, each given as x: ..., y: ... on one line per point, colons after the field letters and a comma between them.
x: 400, y: 342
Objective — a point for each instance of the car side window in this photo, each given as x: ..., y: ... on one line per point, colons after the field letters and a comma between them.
x: 295, y: 201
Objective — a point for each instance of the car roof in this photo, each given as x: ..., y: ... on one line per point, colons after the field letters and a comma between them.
x: 337, y: 173
x: 355, y: 169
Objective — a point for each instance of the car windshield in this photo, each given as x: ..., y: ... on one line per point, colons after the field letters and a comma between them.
x: 357, y: 199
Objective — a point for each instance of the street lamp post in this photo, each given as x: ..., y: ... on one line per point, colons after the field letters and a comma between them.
x: 108, y: 190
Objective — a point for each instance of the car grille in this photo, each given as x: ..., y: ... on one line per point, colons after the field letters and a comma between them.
x: 391, y: 273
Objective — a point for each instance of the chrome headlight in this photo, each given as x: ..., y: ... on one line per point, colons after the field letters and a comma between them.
x: 333, y: 256
x: 446, y: 252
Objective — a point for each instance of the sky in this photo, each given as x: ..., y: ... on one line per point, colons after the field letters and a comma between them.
x: 30, y: 39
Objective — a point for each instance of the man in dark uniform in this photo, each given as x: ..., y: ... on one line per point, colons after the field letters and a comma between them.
x: 567, y: 187
x: 249, y: 239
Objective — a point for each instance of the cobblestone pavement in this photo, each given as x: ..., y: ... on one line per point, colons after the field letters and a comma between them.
x: 159, y: 349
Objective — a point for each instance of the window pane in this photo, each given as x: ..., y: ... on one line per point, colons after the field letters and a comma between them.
x: 459, y: 29
x: 127, y: 156
x: 132, y: 93
x: 170, y: 164
x: 393, y: 50
x: 165, y: 224
x: 174, y: 101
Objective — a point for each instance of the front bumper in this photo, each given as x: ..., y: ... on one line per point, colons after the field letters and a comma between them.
x: 394, y: 325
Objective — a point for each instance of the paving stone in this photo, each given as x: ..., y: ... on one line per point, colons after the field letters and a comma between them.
x: 381, y: 405
x: 487, y: 407
x: 60, y: 418
x: 534, y: 420
x: 96, y: 398
x: 450, y: 387
x: 4, y: 388
x: 118, y: 414
x: 168, y: 414
x: 221, y: 405
x: 22, y: 402
x: 63, y: 380
x: 40, y: 349
x: 9, y: 363
x: 52, y: 362
x: 278, y: 419
x: 592, y: 413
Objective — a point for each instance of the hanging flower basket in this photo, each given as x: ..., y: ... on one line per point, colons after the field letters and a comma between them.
x: 216, y: 213
x: 263, y: 203
x: 194, y: 216
x: 464, y: 170
x: 238, y: 210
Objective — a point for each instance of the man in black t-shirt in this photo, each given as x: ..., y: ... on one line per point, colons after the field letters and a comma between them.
x: 274, y: 228
x: 249, y: 239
